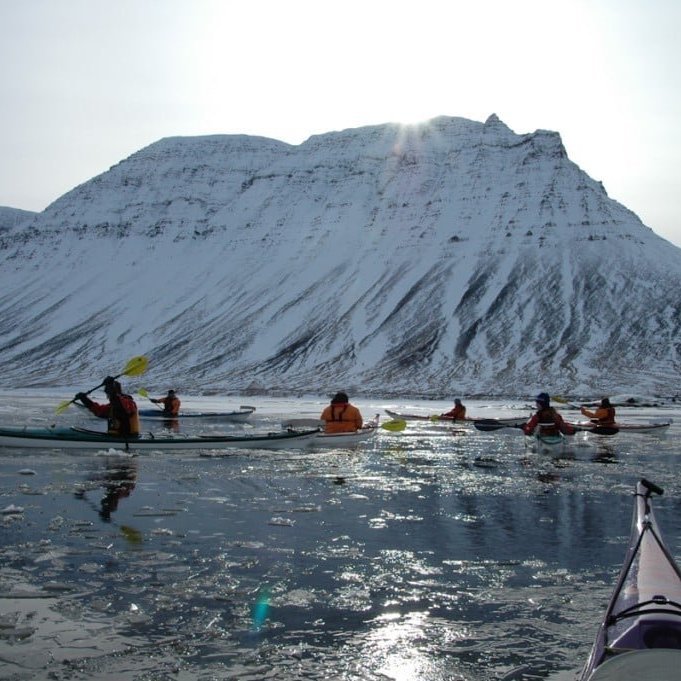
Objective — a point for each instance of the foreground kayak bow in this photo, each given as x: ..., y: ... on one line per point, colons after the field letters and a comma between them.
x: 640, y: 637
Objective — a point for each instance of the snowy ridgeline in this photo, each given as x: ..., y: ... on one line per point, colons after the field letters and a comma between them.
x: 454, y: 257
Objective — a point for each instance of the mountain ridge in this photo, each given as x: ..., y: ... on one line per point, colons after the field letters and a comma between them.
x: 455, y: 257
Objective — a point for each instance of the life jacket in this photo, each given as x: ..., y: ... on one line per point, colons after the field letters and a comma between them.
x: 607, y: 418
x: 459, y: 412
x: 123, y: 418
x: 171, y: 406
x: 342, y: 417
x: 548, y: 421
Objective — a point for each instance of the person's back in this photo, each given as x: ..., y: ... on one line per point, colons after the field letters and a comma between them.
x: 549, y: 421
x: 604, y: 414
x: 457, y: 413
x: 341, y: 416
x: 171, y: 403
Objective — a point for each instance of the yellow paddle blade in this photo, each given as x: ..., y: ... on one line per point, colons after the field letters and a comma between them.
x: 63, y: 406
x: 435, y: 417
x: 131, y: 534
x: 143, y: 392
x: 394, y: 426
x: 558, y: 398
x: 136, y: 366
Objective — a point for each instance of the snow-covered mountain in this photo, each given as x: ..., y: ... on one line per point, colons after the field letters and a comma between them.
x: 11, y: 217
x: 449, y: 258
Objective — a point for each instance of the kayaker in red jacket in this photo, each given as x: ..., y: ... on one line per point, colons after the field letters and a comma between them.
x: 341, y: 416
x: 604, y: 415
x: 457, y: 413
x: 171, y: 403
x: 550, y: 422
x: 121, y: 410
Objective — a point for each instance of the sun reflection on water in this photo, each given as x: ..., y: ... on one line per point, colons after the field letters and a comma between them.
x: 399, y: 646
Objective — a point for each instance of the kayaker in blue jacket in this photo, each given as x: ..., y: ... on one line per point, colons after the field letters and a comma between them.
x: 550, y: 422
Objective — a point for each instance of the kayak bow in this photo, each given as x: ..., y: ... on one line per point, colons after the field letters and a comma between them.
x: 640, y: 636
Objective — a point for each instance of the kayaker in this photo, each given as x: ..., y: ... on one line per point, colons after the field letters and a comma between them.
x: 171, y: 403
x: 457, y: 413
x: 550, y: 422
x: 604, y: 415
x: 121, y: 410
x: 341, y: 416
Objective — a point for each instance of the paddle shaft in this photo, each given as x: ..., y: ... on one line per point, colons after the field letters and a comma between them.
x: 135, y: 367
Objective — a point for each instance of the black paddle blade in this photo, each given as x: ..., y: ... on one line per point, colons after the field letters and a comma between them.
x: 486, y: 425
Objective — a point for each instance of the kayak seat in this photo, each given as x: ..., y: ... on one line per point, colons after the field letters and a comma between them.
x: 659, y: 636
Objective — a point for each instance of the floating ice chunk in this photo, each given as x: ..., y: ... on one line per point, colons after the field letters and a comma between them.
x: 12, y: 510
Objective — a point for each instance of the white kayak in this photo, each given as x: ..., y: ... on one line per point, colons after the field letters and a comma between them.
x: 648, y: 427
x: 640, y: 634
x: 343, y: 439
x: 548, y: 444
x: 242, y: 414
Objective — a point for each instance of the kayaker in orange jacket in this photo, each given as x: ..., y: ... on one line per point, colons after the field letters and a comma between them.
x: 121, y: 410
x: 604, y: 415
x: 171, y: 403
x: 341, y: 416
x: 457, y: 413
x: 550, y: 422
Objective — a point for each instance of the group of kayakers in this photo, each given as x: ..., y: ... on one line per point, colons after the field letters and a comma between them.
x: 340, y: 416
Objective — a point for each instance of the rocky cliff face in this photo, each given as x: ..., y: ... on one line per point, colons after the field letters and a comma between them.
x: 454, y: 257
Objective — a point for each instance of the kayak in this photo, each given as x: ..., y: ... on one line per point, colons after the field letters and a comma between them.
x: 640, y: 636
x: 343, y: 439
x: 414, y: 417
x: 79, y: 438
x: 499, y: 423
x: 548, y: 444
x: 486, y: 425
x: 241, y: 415
x: 650, y: 427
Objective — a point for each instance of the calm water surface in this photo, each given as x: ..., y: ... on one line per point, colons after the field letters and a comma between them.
x: 426, y: 554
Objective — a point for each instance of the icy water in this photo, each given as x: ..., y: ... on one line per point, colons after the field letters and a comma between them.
x: 427, y: 554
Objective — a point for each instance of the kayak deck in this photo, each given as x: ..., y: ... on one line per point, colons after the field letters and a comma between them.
x: 76, y: 438
x: 242, y: 414
x: 642, y: 624
x: 623, y: 427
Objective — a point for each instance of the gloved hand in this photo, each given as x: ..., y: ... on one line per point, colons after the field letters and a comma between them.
x: 82, y: 397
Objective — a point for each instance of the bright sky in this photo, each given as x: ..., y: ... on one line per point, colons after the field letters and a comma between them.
x: 86, y: 83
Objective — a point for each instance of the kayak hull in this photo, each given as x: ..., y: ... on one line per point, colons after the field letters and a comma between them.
x: 499, y: 423
x: 625, y: 427
x: 548, y: 444
x: 343, y: 439
x: 642, y: 624
x: 74, y: 438
x: 234, y: 416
